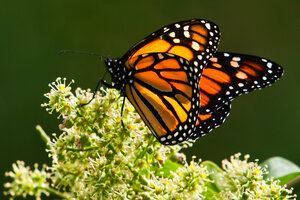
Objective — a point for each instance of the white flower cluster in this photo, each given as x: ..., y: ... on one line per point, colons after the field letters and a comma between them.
x: 98, y: 157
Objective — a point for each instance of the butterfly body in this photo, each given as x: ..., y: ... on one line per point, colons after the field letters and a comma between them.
x: 118, y: 72
x: 180, y: 86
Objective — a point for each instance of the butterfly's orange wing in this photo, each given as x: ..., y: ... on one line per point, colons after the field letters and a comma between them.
x: 193, y: 40
x: 226, y: 76
x: 181, y: 87
x: 164, y: 91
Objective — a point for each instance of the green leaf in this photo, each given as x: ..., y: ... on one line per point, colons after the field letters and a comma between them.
x: 278, y: 167
x: 290, y: 179
x: 218, y: 181
x: 284, y: 170
x: 169, y: 166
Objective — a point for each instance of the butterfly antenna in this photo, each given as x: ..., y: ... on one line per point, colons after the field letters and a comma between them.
x: 64, y: 51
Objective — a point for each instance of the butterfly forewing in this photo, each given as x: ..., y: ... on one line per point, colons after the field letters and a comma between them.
x: 226, y: 76
x: 193, y: 40
x: 164, y: 90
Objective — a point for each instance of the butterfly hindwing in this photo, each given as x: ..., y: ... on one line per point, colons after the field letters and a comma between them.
x: 164, y: 90
x: 194, y: 40
x: 208, y: 122
x: 226, y: 76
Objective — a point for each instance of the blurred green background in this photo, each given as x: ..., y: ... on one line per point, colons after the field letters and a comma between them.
x: 263, y: 123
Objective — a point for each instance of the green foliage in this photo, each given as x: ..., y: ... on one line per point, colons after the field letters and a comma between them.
x: 95, y: 157
x: 278, y: 167
x: 285, y: 171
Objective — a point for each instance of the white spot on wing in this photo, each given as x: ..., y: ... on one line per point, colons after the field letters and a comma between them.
x: 187, y: 34
x: 269, y: 65
x: 172, y: 34
x: 208, y: 26
x: 160, y: 56
x: 234, y: 64
x: 241, y: 84
x: 166, y: 29
x: 177, y: 25
x: 176, y: 40
x: 236, y: 58
x: 186, y: 28
x: 195, y: 46
x: 176, y: 134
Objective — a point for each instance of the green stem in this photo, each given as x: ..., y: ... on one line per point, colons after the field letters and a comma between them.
x: 85, y: 149
x: 144, y: 151
x: 54, y: 192
x: 43, y: 135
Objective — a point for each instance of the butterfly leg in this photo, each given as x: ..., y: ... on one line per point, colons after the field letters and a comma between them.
x: 100, y: 81
x: 122, y: 111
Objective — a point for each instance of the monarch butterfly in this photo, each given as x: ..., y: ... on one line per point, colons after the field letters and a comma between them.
x: 180, y: 86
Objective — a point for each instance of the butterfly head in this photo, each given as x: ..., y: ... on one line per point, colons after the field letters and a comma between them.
x: 118, y: 73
